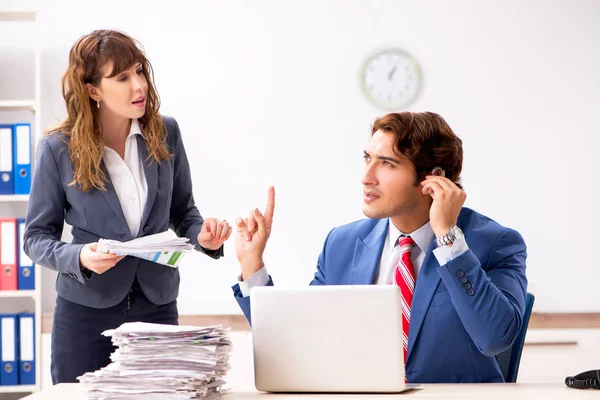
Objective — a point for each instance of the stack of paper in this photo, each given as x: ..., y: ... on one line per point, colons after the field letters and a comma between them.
x: 162, y: 361
x: 163, y: 248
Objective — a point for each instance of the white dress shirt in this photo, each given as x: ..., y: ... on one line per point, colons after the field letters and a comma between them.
x: 129, y: 179
x: 423, y: 237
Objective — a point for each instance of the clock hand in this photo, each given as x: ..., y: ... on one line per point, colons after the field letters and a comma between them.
x: 391, y: 74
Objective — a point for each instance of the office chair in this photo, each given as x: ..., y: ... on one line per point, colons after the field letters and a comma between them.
x: 510, y: 358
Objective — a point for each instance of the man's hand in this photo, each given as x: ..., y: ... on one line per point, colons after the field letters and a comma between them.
x: 97, y: 262
x: 251, y: 237
x: 213, y: 233
x: 448, y: 200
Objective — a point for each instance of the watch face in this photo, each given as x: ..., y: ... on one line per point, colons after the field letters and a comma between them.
x: 457, y: 232
x: 391, y: 79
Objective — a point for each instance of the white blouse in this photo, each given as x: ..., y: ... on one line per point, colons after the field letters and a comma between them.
x: 129, y: 179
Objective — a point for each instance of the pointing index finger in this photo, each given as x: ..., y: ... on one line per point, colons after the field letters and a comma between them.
x: 270, y: 207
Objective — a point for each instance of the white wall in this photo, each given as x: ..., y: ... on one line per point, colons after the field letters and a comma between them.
x: 267, y: 92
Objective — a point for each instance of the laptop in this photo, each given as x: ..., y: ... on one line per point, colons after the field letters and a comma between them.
x: 328, y: 339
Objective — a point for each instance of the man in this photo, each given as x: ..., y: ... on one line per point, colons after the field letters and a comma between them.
x: 461, y: 274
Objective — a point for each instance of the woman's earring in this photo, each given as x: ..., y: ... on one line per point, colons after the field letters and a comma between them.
x: 98, y: 103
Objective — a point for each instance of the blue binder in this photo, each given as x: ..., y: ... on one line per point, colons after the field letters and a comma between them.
x: 6, y: 161
x: 9, y: 373
x: 26, y: 349
x: 26, y: 278
x: 22, y: 158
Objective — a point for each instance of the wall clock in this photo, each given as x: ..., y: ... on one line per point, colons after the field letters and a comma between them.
x: 391, y: 79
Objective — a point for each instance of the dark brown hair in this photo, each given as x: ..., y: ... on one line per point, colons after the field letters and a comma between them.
x: 426, y: 140
x: 87, y: 58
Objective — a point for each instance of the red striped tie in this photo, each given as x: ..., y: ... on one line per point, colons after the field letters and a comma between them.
x: 405, y: 278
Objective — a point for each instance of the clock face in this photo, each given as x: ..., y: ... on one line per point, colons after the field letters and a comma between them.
x: 391, y: 79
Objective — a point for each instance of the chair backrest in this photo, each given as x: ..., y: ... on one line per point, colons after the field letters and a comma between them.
x: 510, y: 358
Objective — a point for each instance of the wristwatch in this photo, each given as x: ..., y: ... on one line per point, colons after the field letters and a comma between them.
x: 452, y: 236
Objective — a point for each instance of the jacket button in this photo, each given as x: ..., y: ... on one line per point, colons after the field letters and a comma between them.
x: 460, y: 273
x: 467, y: 285
x: 146, y: 228
x: 470, y: 292
x: 463, y: 279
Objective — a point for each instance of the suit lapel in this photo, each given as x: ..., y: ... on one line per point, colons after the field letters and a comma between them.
x: 367, y: 253
x: 427, y: 283
x: 111, y: 197
x: 151, y: 172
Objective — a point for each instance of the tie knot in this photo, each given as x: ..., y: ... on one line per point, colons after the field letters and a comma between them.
x: 406, y: 241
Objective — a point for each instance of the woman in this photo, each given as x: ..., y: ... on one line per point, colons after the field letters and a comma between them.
x: 114, y: 169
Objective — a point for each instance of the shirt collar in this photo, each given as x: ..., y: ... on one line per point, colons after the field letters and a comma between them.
x: 422, y: 236
x: 135, y: 129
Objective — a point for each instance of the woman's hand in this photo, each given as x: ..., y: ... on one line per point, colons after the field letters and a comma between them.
x: 97, y: 262
x: 213, y: 233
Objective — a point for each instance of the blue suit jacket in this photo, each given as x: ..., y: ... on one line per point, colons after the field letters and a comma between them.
x: 97, y: 214
x: 457, y: 324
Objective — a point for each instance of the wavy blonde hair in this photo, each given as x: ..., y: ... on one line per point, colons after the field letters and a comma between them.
x: 87, y: 58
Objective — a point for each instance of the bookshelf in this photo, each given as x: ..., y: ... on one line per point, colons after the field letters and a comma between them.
x: 32, y: 105
x: 8, y: 294
x: 14, y: 198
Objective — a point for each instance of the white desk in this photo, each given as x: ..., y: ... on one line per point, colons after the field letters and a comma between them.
x: 500, y: 391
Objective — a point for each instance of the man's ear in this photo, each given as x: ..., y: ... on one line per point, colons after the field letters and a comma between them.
x: 92, y: 91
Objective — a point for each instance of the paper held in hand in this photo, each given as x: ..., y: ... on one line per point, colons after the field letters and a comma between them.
x: 164, y: 248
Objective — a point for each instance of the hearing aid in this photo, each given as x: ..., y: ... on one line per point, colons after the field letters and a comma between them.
x: 438, y: 171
